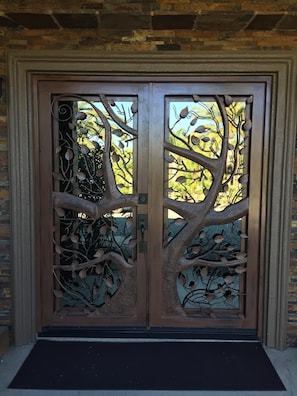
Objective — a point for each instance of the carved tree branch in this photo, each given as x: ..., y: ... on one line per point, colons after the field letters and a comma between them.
x: 185, y: 209
x: 92, y: 209
x: 188, y: 263
x: 112, y: 199
x: 113, y: 256
x: 229, y: 214
x: 211, y: 164
x: 196, y: 217
x: 219, y: 173
x: 107, y: 106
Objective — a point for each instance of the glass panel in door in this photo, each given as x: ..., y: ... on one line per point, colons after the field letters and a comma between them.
x: 207, y: 167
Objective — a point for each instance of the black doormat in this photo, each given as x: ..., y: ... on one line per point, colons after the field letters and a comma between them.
x: 65, y: 365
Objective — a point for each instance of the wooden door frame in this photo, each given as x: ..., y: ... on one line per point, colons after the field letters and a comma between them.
x: 281, y: 66
x: 160, y: 88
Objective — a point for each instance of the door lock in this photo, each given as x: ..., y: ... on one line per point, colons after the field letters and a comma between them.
x: 142, y: 222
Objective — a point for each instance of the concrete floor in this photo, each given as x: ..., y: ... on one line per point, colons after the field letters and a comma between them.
x: 285, y: 363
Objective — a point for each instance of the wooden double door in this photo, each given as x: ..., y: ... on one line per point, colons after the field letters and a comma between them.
x: 150, y: 201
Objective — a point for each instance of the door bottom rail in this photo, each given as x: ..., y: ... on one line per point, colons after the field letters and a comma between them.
x: 152, y: 333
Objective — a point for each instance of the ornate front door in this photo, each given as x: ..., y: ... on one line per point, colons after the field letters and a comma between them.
x: 150, y: 196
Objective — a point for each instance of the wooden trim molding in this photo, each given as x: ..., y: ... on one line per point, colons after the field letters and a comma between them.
x: 281, y: 66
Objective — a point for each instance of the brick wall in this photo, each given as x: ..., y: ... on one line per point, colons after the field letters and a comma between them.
x: 148, y: 25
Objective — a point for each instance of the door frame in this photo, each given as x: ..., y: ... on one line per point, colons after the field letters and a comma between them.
x: 281, y: 66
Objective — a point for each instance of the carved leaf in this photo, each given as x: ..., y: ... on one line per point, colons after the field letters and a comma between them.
x: 240, y: 269
x: 230, y: 298
x: 81, y: 115
x: 57, y: 176
x: 99, y: 269
x: 58, y: 293
x: 240, y: 255
x: 247, y: 125
x: 74, y: 238
x: 132, y: 243
x: 95, y: 144
x: 182, y: 279
x: 184, y: 112
x: 118, y: 132
x: 250, y: 99
x: 228, y: 278
x: 109, y: 282
x: 84, y: 149
x: 181, y: 179
x: 82, y: 274
x: 115, y: 157
x: 228, y: 100
x: 69, y: 155
x: 99, y: 253
x: 81, y: 176
x: 129, y: 222
x: 59, y: 249
x: 196, y: 249
x: 218, y: 238
x: 230, y: 247
x: 209, y: 296
x: 195, y: 141
x: 193, y: 121
x: 169, y: 158
x: 201, y: 129
x: 243, y: 179
x: 60, y: 212
x: 179, y: 221
x: 134, y: 108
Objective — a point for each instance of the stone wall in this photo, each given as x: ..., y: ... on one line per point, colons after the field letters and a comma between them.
x: 148, y: 25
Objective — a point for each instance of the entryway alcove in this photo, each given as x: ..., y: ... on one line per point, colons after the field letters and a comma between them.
x: 264, y: 88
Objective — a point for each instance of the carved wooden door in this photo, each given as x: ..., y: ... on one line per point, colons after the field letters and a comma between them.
x: 150, y: 198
